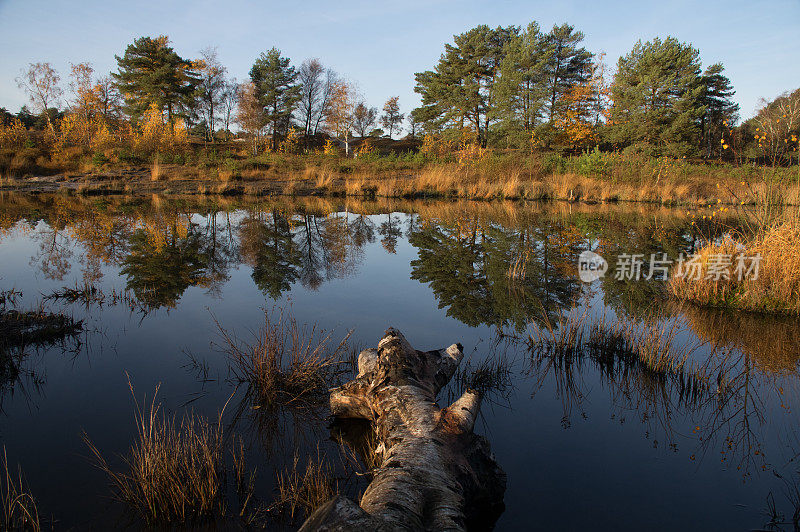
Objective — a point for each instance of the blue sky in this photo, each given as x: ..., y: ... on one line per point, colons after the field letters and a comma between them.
x: 381, y: 45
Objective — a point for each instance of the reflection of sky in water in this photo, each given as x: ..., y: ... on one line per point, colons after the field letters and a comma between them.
x: 608, y: 468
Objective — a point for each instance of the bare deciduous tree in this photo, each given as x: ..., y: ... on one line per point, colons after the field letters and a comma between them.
x: 312, y: 78
x: 81, y: 87
x: 230, y: 98
x: 40, y: 82
x: 331, y: 80
x: 211, y: 87
x: 110, y: 100
x: 777, y: 122
x: 250, y: 113
x: 340, y: 109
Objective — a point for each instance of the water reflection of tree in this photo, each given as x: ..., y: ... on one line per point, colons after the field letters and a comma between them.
x: 340, y: 254
x: 470, y: 266
x: 221, y: 249
x: 725, y: 399
x: 55, y: 253
x: 763, y: 364
x: 150, y: 240
x: 645, y: 236
x: 305, y: 247
x: 267, y: 246
x: 169, y: 254
x: 390, y: 231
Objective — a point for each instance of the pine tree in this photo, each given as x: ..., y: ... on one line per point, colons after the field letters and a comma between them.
x: 566, y: 65
x: 720, y: 110
x: 657, y: 96
x: 277, y: 90
x: 461, y: 88
x: 521, y: 89
x: 150, y: 72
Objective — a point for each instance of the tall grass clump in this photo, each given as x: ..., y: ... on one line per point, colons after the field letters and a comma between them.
x: 19, y: 507
x: 303, y: 492
x: 565, y: 338
x: 175, y: 471
x: 653, y: 347
x: 775, y: 289
x: 491, y: 377
x: 287, y: 363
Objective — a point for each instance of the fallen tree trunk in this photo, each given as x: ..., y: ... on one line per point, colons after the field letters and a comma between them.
x: 434, y: 473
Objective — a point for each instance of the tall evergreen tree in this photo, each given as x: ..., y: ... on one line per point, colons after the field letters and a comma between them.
x: 720, y: 110
x: 277, y: 89
x: 461, y: 88
x: 522, y: 87
x: 657, y: 96
x: 566, y: 64
x: 150, y: 72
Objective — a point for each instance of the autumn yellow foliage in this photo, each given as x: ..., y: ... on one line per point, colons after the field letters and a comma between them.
x: 157, y: 136
x: 13, y: 134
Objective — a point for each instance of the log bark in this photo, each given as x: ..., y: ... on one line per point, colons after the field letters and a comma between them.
x: 434, y: 473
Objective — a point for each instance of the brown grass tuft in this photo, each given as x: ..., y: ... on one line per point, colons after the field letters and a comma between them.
x: 19, y: 507
x: 176, y: 470
x: 777, y: 287
x: 287, y: 363
x: 307, y: 491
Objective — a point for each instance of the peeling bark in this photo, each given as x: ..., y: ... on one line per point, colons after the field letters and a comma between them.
x: 435, y: 473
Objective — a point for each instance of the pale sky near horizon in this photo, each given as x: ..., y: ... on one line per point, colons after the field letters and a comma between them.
x: 381, y: 45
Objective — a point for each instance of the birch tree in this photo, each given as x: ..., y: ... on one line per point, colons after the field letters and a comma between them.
x: 40, y: 83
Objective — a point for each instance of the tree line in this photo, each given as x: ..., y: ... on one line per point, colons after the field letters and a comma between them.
x: 504, y: 87
x: 152, y: 77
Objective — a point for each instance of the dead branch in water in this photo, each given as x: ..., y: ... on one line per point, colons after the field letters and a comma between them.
x: 434, y: 472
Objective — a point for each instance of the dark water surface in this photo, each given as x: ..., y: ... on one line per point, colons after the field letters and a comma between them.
x: 585, y: 446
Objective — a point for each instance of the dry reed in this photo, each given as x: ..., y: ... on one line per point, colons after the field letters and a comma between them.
x: 653, y: 348
x: 776, y: 288
x: 287, y: 363
x: 19, y: 507
x: 303, y: 492
x: 175, y: 472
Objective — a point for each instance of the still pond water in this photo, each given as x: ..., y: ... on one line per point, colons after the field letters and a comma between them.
x: 584, y: 446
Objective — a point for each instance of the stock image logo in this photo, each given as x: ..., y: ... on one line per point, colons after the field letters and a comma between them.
x: 696, y: 267
x: 591, y: 266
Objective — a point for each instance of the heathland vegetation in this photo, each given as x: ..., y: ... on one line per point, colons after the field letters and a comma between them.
x: 512, y: 112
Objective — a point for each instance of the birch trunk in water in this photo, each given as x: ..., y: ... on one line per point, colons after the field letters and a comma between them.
x: 435, y: 473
